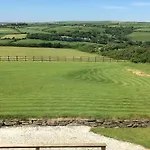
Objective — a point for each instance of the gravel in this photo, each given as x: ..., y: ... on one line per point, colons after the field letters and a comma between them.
x: 59, y: 135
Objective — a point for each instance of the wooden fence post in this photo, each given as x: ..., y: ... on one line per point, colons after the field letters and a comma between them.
x: 49, y: 58
x: 25, y: 59
x: 73, y: 58
x: 33, y: 58
x: 16, y: 58
x: 80, y: 58
x: 8, y: 58
x: 41, y: 58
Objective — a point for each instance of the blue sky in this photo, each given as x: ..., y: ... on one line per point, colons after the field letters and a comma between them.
x: 74, y: 10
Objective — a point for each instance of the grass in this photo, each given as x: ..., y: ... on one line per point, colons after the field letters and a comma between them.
x: 16, y: 36
x: 139, y: 136
x: 37, y: 41
x: 63, y: 29
x: 60, y: 89
x: 31, y: 30
x: 140, y: 36
x: 3, y: 42
x: 7, y: 30
x: 1, y: 35
x: 144, y: 29
x: 30, y: 41
x: 28, y: 51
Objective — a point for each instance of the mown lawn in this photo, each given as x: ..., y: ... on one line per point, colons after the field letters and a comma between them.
x: 65, y: 89
x: 139, y: 136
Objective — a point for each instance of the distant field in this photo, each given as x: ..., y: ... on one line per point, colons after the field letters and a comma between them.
x: 144, y: 29
x: 60, y: 89
x: 32, y: 30
x: 30, y: 41
x: 37, y: 41
x: 140, y: 36
x: 5, y: 42
x: 26, y: 51
x: 7, y: 30
x: 63, y: 29
x: 139, y: 136
x: 16, y: 36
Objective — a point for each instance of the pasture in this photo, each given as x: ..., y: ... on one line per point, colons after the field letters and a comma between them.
x: 64, y: 29
x: 4, y: 42
x: 140, y: 36
x: 28, y: 51
x: 7, y: 30
x: 38, y: 41
x: 16, y: 36
x: 60, y: 89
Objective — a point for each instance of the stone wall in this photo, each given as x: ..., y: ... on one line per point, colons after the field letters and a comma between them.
x: 77, y: 122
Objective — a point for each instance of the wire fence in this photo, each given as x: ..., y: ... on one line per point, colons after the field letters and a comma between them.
x: 59, y: 58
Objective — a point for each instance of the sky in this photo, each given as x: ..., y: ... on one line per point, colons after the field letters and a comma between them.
x: 74, y: 10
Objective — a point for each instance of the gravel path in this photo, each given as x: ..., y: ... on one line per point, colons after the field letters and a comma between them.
x: 59, y: 135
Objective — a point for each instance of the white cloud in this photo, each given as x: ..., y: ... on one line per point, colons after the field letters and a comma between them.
x: 141, y: 4
x: 114, y: 7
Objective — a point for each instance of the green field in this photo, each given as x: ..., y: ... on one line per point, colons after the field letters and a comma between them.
x: 28, y: 51
x: 3, y: 42
x: 32, y: 30
x: 16, y: 36
x: 37, y: 41
x: 140, y: 36
x: 144, y: 29
x: 63, y: 29
x: 139, y: 136
x: 60, y: 89
x: 7, y: 30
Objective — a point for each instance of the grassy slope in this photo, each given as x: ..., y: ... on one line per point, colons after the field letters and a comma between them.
x: 139, y: 136
x: 7, y: 30
x: 140, y: 36
x: 28, y: 51
x: 73, y: 90
x: 63, y: 29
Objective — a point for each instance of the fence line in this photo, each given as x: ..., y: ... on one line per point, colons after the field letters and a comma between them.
x: 70, y: 146
x: 59, y: 58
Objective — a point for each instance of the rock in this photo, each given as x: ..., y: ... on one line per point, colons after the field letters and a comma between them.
x: 10, y: 123
x: 1, y: 123
x: 130, y: 125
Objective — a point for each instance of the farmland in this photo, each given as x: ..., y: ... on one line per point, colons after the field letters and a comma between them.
x: 7, y: 30
x: 75, y: 89
x: 118, y: 40
x: 24, y: 51
x: 16, y: 36
x: 97, y: 90
x: 140, y: 36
